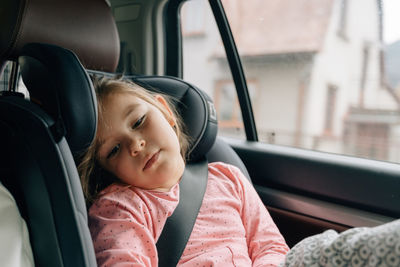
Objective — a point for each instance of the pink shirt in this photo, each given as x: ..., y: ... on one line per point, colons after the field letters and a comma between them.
x: 233, y: 227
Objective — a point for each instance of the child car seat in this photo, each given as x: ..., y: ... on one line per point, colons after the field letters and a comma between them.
x: 38, y: 140
x: 37, y: 164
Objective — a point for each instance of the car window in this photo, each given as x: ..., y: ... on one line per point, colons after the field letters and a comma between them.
x: 5, y: 80
x: 322, y: 74
x: 205, y: 65
x: 4, y: 77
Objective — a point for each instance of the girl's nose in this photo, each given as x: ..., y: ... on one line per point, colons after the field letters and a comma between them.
x: 136, y: 147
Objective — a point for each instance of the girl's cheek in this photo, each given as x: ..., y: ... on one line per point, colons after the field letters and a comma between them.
x: 118, y: 167
x: 121, y: 167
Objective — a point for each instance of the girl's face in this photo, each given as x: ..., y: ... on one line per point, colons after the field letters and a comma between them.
x: 138, y: 143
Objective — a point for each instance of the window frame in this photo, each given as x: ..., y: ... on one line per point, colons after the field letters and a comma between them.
x: 173, y: 57
x: 302, y: 178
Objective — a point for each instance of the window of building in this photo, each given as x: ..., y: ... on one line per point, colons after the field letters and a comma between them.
x: 330, y: 108
x: 193, y: 18
x: 342, y: 27
x: 364, y: 70
x: 372, y: 141
x: 229, y: 116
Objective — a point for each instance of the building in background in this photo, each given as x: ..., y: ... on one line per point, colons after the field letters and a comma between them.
x: 315, y: 70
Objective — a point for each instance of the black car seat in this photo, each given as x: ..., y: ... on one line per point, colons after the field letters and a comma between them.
x: 37, y: 165
x: 40, y: 137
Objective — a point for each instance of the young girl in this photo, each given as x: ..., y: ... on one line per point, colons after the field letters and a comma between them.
x: 131, y: 176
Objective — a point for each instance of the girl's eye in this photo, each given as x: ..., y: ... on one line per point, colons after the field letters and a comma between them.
x: 113, y: 151
x: 138, y: 122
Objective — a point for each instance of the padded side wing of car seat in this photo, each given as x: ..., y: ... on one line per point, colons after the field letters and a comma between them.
x: 42, y: 176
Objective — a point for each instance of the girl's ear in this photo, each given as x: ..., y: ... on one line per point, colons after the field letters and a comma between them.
x: 164, y: 103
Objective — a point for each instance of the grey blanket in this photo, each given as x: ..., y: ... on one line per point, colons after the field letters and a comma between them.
x: 363, y: 246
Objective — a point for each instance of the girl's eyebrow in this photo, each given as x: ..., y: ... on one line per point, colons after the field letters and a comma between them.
x: 130, y: 109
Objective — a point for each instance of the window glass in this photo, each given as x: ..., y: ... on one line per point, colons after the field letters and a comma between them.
x: 326, y: 73
x: 194, y: 17
x: 5, y: 78
x: 205, y: 65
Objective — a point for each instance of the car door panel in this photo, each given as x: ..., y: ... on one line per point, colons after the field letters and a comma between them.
x: 308, y: 192
x: 295, y: 227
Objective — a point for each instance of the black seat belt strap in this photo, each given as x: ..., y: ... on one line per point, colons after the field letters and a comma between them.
x: 179, y: 225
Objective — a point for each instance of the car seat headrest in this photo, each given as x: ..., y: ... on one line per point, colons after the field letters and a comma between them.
x: 58, y: 82
x: 195, y: 107
x: 85, y: 27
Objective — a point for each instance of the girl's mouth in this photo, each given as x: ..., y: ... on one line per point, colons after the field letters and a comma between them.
x: 151, y: 161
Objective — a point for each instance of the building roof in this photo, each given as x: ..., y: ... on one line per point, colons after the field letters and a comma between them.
x: 278, y: 26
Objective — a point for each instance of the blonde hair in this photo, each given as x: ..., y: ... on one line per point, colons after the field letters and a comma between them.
x: 93, y: 177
